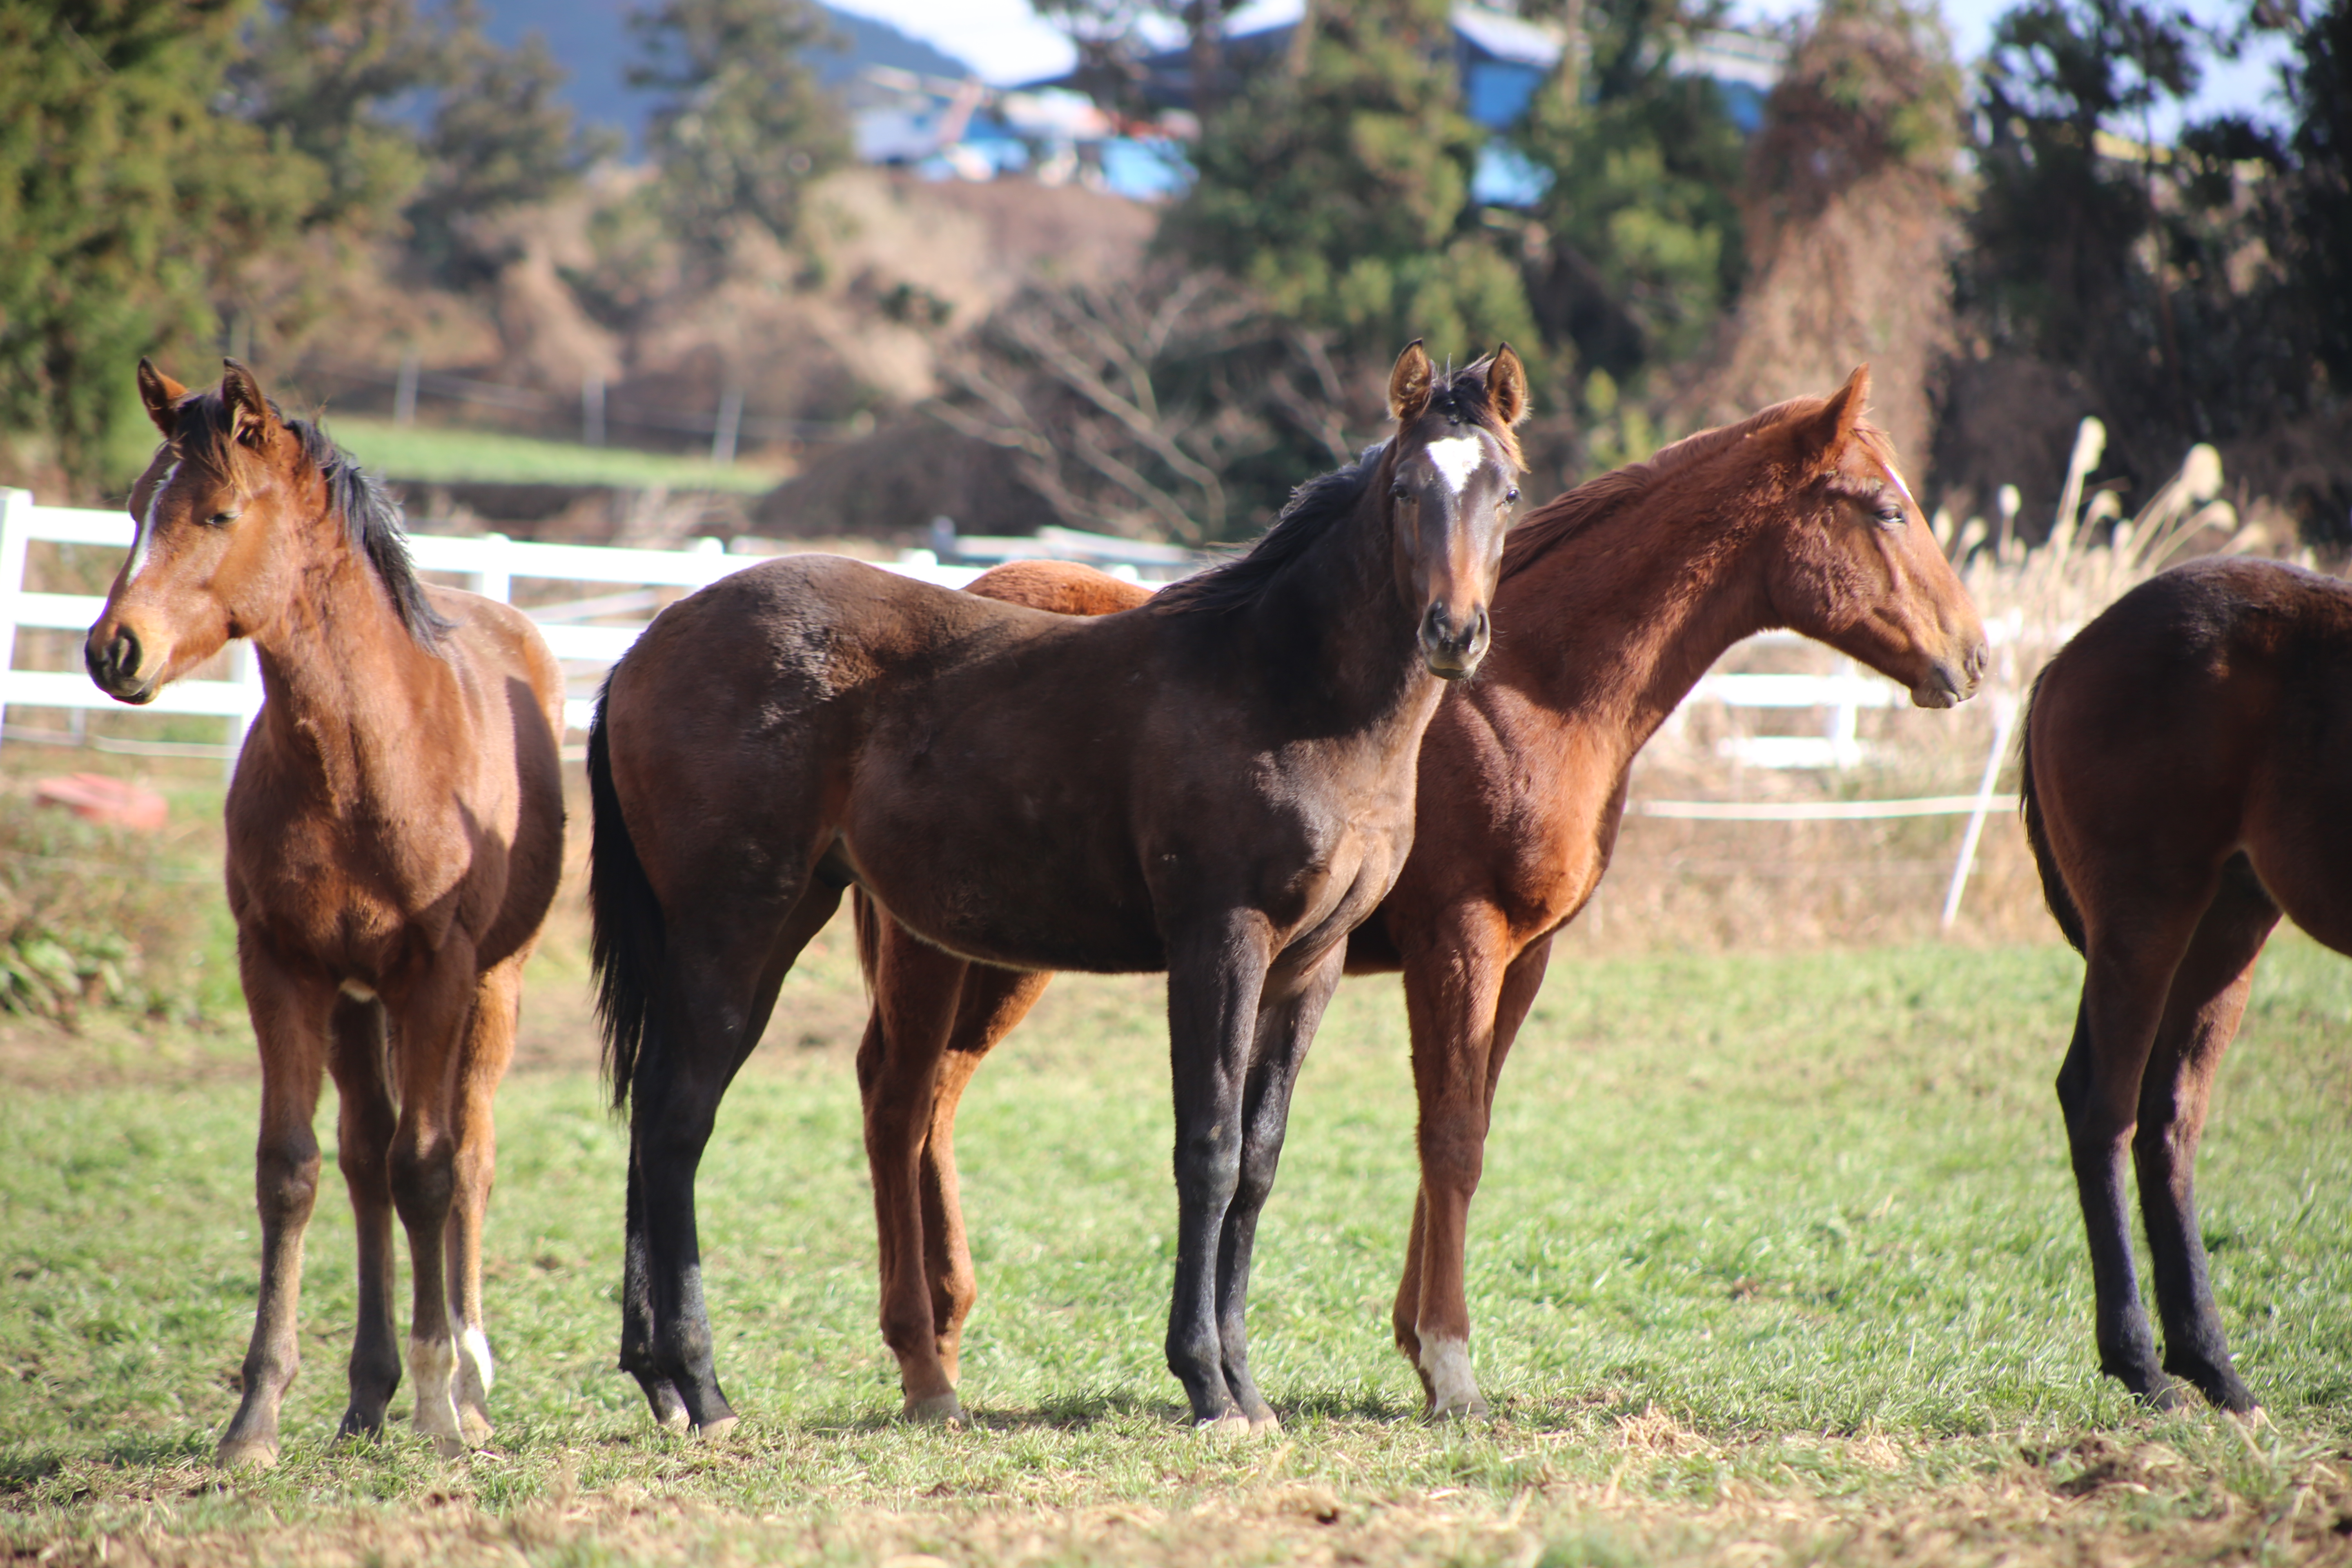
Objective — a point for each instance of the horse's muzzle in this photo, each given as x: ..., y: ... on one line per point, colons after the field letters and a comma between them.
x: 1947, y: 687
x: 114, y: 666
x: 1451, y: 651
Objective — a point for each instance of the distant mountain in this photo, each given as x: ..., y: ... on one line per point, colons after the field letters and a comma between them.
x: 590, y: 38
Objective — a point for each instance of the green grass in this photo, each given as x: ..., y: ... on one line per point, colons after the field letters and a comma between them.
x: 432, y: 454
x: 1775, y: 1259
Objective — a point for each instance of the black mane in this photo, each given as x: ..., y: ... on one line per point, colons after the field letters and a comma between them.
x: 371, y: 519
x: 1314, y: 508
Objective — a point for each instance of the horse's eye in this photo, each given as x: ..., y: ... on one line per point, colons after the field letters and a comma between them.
x: 1512, y: 499
x: 1890, y: 516
x: 220, y: 519
x: 1399, y: 491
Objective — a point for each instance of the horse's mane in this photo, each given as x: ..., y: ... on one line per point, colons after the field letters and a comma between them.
x: 1320, y: 504
x: 1590, y: 502
x: 371, y: 519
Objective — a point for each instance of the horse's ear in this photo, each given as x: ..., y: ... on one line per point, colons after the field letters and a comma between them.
x: 1507, y: 386
x: 161, y: 394
x: 250, y: 416
x: 1835, y: 425
x: 1409, y: 383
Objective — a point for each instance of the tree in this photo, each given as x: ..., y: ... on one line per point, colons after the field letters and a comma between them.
x: 1640, y: 247
x: 2320, y: 207
x: 126, y: 199
x: 742, y: 127
x: 501, y: 140
x: 1340, y: 193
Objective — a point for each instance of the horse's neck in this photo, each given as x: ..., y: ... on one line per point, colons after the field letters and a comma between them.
x: 1345, y: 632
x: 347, y: 686
x: 1611, y: 627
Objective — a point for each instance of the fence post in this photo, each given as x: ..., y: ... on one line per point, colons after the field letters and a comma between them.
x: 2004, y: 720
x: 495, y: 581
x: 247, y: 665
x: 14, y: 525
x: 591, y: 409
x: 403, y: 391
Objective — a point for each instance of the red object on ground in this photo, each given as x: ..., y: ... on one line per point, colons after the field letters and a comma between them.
x: 97, y: 798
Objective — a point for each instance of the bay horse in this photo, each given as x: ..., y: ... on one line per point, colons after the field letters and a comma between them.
x: 1218, y: 784
x: 395, y: 833
x: 1614, y: 599
x: 2186, y: 765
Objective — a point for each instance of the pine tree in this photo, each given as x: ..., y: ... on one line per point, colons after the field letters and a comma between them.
x: 1340, y: 192
x: 742, y: 127
x: 125, y: 197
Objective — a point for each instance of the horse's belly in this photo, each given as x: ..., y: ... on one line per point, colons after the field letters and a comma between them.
x: 1025, y: 911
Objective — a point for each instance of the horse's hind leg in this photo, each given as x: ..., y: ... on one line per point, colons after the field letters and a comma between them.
x: 364, y: 1121
x: 1465, y: 1000
x: 2128, y: 975
x: 290, y: 1012
x: 2200, y: 1018
x: 722, y: 970
x: 1284, y: 1031
x: 489, y: 1047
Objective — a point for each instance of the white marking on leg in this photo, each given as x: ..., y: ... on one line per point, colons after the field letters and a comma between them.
x: 143, y: 536
x: 1452, y: 1390
x: 473, y: 1353
x: 432, y: 1367
x: 357, y: 992
x: 1456, y: 458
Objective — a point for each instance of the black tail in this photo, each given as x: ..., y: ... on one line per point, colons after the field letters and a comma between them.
x: 2053, y: 882
x: 626, y: 933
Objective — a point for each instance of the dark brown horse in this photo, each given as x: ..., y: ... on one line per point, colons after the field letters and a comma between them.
x: 1614, y: 600
x: 395, y: 831
x: 1218, y: 784
x: 2187, y: 759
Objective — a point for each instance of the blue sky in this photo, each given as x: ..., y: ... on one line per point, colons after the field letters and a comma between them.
x: 1005, y: 42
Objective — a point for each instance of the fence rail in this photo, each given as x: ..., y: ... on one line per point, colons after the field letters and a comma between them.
x: 491, y: 564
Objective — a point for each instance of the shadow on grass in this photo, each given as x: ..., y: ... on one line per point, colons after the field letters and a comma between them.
x: 24, y: 1468
x: 1086, y: 1412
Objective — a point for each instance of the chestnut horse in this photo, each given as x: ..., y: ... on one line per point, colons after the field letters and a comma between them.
x: 1614, y: 599
x: 1218, y: 784
x: 395, y: 832
x: 2186, y: 763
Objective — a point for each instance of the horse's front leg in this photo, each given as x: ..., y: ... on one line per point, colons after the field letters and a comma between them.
x: 365, y: 1119
x: 474, y: 1137
x: 1285, y: 1027
x: 993, y: 1003
x: 289, y: 1006
x: 1466, y: 999
x: 1216, y: 973
x: 432, y: 1011
x: 915, y: 989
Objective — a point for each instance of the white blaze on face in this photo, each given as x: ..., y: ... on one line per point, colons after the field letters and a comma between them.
x: 1456, y: 458
x: 144, y: 536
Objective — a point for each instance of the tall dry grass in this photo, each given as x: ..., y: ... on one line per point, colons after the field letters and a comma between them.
x: 1715, y: 885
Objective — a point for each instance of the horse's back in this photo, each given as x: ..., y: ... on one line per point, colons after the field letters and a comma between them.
x: 2206, y: 713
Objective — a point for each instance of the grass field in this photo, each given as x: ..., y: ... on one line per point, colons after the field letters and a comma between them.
x: 430, y: 454
x: 1775, y: 1260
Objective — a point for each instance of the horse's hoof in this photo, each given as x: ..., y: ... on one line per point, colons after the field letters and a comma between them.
x: 1265, y: 1425
x: 449, y: 1446
x: 674, y: 1420
x: 1472, y: 1408
x: 1221, y: 1428
x: 246, y: 1454
x: 474, y: 1426
x: 356, y: 1425
x: 717, y: 1428
x: 942, y: 1409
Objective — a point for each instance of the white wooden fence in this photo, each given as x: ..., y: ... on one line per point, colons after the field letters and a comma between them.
x: 584, y: 633
x: 490, y: 566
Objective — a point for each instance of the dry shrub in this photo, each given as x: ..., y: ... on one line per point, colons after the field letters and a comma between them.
x: 90, y: 916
